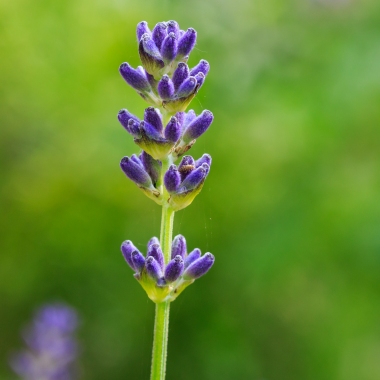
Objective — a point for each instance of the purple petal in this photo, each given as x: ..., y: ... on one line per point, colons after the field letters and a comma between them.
x: 169, y: 48
x: 172, y: 179
x: 194, y: 179
x: 124, y: 116
x: 187, y: 42
x: 198, y: 126
x: 137, y: 161
x: 187, y: 87
x: 174, y: 269
x: 134, y: 128
x: 173, y: 130
x: 155, y: 251
x: 142, y: 28
x: 199, y: 267
x: 134, y: 78
x: 190, y: 116
x: 195, y: 254
x: 138, y: 260
x: 179, y: 247
x: 200, y: 78
x: 154, y: 118
x: 150, y: 55
x: 205, y: 159
x: 153, y: 268
x: 173, y: 27
x: 151, y: 166
x: 202, y: 67
x: 159, y: 33
x: 135, y: 173
x: 127, y: 248
x: 180, y: 117
x: 180, y: 74
x: 165, y: 88
x: 153, y: 240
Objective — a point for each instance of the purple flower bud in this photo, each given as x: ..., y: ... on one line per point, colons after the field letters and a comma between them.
x: 127, y: 248
x: 205, y: 159
x: 181, y: 118
x: 173, y: 130
x: 165, y: 88
x: 174, y: 269
x: 142, y: 28
x: 150, y: 55
x: 190, y: 116
x: 198, y: 126
x: 195, y: 254
x: 135, y: 173
x: 135, y: 78
x: 153, y: 117
x: 199, y: 267
x: 153, y: 240
x: 173, y: 28
x: 169, y: 48
x: 200, y: 78
x: 124, y: 116
x: 187, y: 42
x: 153, y: 268
x: 179, y: 247
x: 172, y: 179
x: 137, y: 161
x: 151, y: 166
x: 150, y: 130
x: 134, y: 128
x: 159, y: 33
x: 202, y: 67
x: 155, y: 251
x: 138, y: 260
x: 180, y: 74
x: 194, y: 179
x: 187, y: 87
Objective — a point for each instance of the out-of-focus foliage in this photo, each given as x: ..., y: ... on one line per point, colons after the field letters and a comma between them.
x: 290, y: 209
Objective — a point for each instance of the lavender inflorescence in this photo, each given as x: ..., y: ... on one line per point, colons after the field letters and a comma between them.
x: 165, y: 134
x: 52, y: 348
x: 164, y: 282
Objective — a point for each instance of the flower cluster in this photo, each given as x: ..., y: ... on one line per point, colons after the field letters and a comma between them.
x: 162, y: 281
x: 177, y: 137
x: 51, y: 347
x: 165, y: 134
x: 164, y: 79
x: 181, y: 183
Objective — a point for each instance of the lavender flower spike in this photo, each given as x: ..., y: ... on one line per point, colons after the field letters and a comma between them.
x: 52, y: 349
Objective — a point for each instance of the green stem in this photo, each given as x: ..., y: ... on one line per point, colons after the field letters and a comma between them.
x: 161, y: 321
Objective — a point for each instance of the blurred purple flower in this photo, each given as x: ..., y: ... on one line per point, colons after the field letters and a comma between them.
x: 51, y: 347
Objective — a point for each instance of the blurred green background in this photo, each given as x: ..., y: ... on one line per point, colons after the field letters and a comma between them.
x: 290, y: 209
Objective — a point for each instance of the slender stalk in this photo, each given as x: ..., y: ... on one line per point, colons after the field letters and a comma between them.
x: 161, y: 321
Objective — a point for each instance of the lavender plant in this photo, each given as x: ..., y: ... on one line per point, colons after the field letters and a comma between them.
x: 165, y: 133
x: 52, y: 347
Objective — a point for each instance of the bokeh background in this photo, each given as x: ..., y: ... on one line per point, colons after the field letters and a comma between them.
x: 290, y: 209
